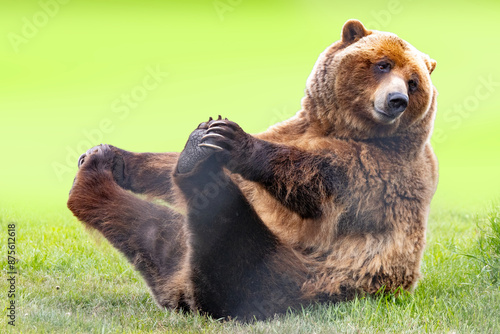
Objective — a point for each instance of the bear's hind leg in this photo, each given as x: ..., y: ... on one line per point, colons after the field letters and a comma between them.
x: 152, y: 237
x: 239, y: 268
x: 146, y: 173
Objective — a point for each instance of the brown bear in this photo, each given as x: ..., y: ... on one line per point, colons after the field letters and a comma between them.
x: 330, y: 203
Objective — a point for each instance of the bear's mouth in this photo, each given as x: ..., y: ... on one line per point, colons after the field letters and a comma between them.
x: 384, y: 117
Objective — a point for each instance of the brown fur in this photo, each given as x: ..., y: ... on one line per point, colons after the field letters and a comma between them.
x: 341, y: 197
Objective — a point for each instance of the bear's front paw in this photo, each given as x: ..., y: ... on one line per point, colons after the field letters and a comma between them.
x: 225, y: 135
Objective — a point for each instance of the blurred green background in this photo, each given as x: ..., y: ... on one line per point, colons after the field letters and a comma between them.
x: 142, y: 75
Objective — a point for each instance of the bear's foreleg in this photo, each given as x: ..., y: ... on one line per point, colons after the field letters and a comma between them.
x: 300, y: 180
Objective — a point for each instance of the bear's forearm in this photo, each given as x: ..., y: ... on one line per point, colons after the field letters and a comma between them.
x: 301, y: 181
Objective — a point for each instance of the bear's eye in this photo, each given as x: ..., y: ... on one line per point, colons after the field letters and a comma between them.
x: 412, y: 85
x: 383, y: 66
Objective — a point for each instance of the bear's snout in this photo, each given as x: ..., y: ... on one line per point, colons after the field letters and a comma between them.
x: 396, y: 103
x: 390, y: 99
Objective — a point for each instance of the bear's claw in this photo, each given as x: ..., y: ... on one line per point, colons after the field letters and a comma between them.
x: 223, y: 135
x: 81, y: 159
x: 205, y: 125
x: 215, y: 147
x: 211, y: 135
x: 224, y: 122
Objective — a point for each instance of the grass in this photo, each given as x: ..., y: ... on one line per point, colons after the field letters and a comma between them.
x: 488, y: 250
x: 73, y: 281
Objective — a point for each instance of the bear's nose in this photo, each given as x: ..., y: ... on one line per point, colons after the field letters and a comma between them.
x: 396, y: 103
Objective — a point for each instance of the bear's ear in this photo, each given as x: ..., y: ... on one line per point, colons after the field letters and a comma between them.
x: 352, y: 31
x: 431, y: 64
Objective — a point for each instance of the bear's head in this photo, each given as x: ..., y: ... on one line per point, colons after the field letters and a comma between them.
x: 370, y: 84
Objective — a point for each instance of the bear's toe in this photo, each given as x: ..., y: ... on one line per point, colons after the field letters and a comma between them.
x: 99, y: 152
x: 81, y: 159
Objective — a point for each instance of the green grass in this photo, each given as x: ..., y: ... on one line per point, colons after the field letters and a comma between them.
x: 73, y: 281
x: 487, y: 252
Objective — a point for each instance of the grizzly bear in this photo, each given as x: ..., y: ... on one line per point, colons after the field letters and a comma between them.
x: 326, y: 205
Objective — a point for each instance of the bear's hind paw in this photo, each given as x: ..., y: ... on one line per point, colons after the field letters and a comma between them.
x: 196, y: 149
x: 98, y: 156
